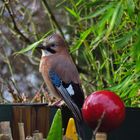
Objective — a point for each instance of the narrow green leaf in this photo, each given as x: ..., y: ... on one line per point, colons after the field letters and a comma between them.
x: 101, y: 25
x: 130, y: 7
x: 98, y: 12
x: 55, y: 132
x: 136, y: 54
x: 83, y: 36
x: 72, y: 12
x: 119, y: 88
x: 32, y: 46
x: 79, y: 2
x: 113, y: 20
x: 119, y: 18
x: 124, y: 40
x: 134, y: 88
x: 60, y: 3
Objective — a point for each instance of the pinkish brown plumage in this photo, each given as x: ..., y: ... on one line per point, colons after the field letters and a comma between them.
x: 61, y: 62
x: 61, y: 76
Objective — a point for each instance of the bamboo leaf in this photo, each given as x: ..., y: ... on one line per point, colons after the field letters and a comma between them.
x: 130, y: 7
x: 136, y: 54
x: 79, y: 2
x: 113, y: 20
x: 119, y: 16
x: 122, y: 86
x: 72, y: 12
x: 101, y: 24
x: 98, y: 12
x: 124, y: 40
x: 32, y: 46
x: 83, y: 36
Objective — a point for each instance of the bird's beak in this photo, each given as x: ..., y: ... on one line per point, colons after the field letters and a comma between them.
x: 40, y: 47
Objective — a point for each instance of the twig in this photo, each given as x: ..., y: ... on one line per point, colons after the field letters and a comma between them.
x: 16, y: 97
x: 14, y: 22
x: 37, y: 93
x: 41, y: 87
x: 11, y: 70
x: 52, y: 17
x: 98, y: 125
x: 14, y: 84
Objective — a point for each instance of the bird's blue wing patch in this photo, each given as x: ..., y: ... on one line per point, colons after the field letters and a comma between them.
x: 64, y: 93
x: 55, y: 78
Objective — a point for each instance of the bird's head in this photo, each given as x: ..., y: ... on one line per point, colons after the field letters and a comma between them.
x: 53, y: 44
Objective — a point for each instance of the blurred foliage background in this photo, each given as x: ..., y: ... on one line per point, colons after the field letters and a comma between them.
x: 103, y: 35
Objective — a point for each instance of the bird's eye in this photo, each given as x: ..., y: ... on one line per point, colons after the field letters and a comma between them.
x: 52, y: 45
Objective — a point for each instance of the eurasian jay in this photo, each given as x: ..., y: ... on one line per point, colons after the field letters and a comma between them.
x: 60, y: 74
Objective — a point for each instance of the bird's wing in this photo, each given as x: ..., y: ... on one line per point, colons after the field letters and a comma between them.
x: 66, y: 69
x: 58, y: 83
x: 68, y: 73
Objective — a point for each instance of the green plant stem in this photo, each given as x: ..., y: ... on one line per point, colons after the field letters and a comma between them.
x: 9, y: 65
x: 52, y: 17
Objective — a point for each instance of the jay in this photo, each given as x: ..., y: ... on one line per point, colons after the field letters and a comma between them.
x: 61, y: 76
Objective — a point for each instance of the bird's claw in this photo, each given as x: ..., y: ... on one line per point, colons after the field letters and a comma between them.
x: 58, y: 103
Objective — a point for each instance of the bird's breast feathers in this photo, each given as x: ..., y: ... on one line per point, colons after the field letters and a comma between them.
x: 62, y: 65
x: 64, y: 68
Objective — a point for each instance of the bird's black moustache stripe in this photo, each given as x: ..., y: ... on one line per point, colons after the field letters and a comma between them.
x: 51, y: 50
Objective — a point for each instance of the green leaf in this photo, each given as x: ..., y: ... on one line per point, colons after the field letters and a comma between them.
x: 60, y: 3
x: 32, y: 46
x: 98, y: 12
x: 55, y: 132
x: 113, y: 20
x: 105, y: 19
x: 121, y: 42
x: 79, y: 2
x: 130, y: 7
x: 119, y: 18
x: 72, y: 12
x: 83, y: 36
x: 119, y: 88
x: 136, y: 54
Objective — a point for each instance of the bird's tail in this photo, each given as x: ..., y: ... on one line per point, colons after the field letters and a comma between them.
x: 76, y: 113
x: 70, y: 103
x: 80, y: 129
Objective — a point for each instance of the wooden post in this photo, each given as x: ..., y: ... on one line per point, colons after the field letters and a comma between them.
x: 101, y: 136
x: 30, y: 116
x: 21, y: 131
x: 5, y: 130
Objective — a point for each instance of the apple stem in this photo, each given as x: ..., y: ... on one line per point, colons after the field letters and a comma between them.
x: 101, y: 136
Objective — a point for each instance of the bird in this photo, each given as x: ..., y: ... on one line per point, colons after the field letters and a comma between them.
x: 61, y: 75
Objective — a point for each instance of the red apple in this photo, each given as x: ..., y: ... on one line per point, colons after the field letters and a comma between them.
x: 105, y: 102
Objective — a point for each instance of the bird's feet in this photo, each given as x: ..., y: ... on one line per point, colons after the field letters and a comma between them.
x: 52, y: 101
x: 57, y: 103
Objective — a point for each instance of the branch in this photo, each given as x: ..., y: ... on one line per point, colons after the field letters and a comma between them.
x: 14, y: 22
x: 52, y: 17
x: 98, y: 125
